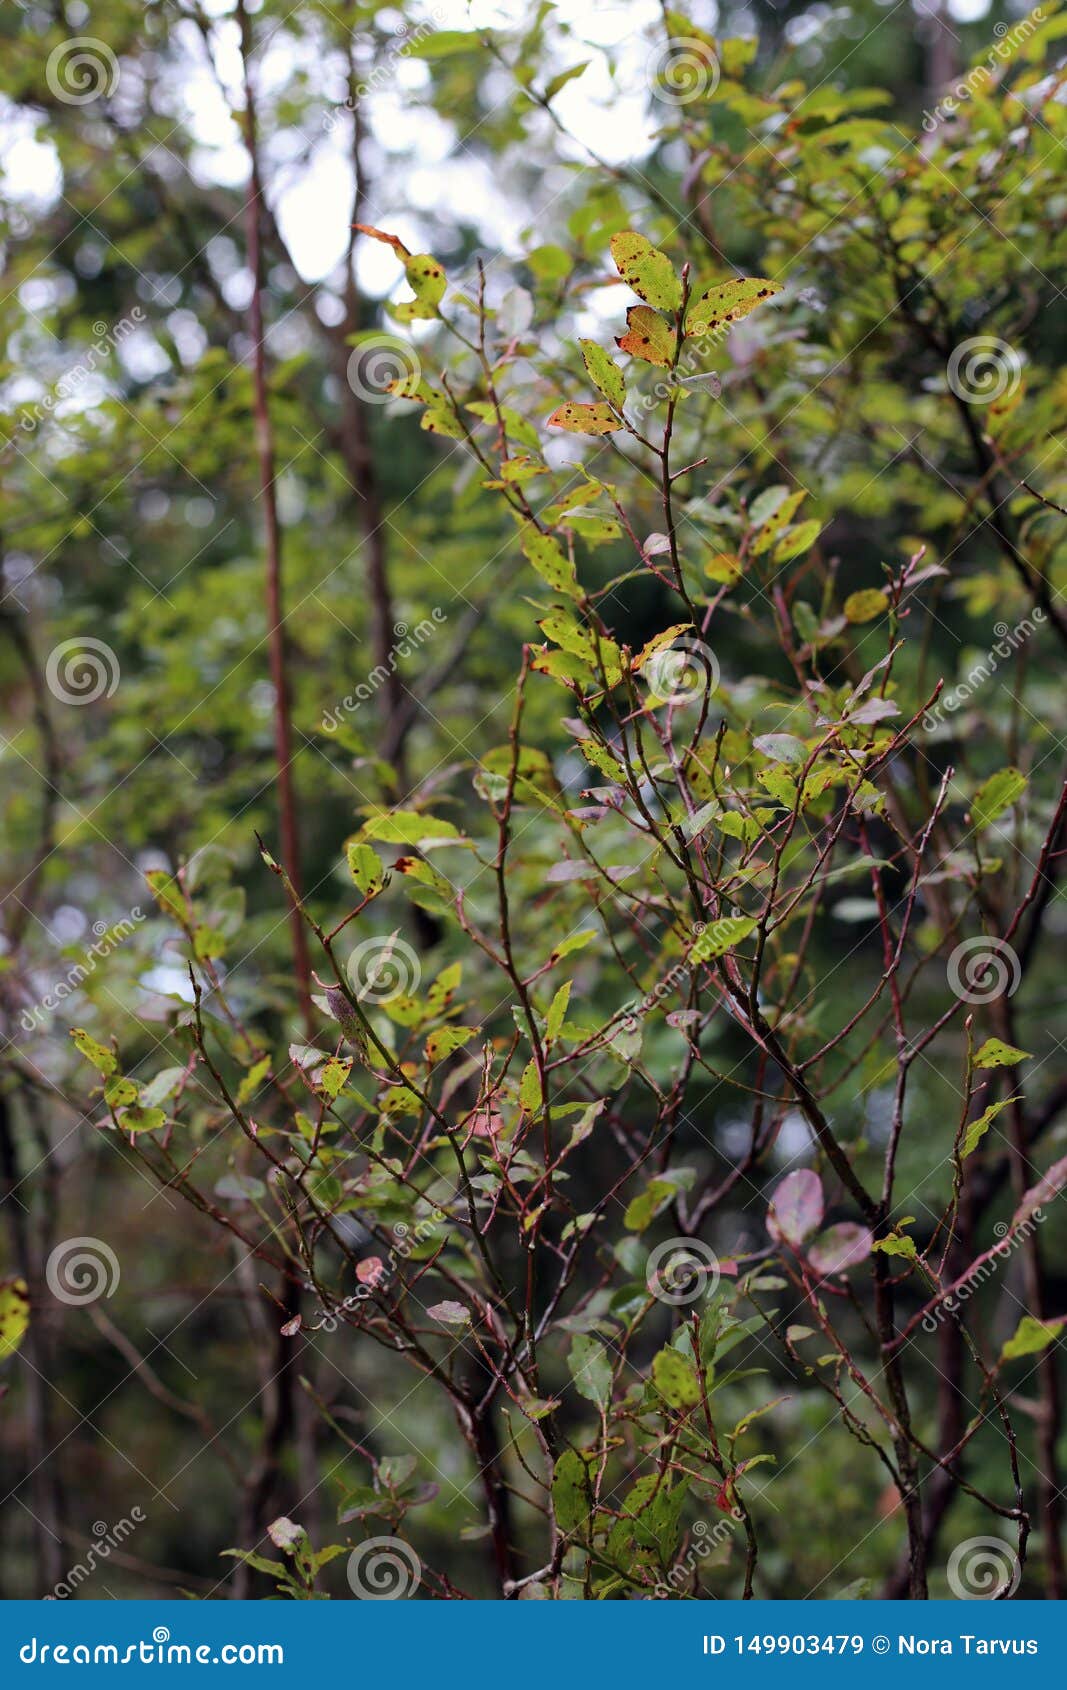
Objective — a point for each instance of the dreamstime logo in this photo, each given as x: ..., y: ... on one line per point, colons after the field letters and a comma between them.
x: 408, y: 640
x: 983, y: 969
x: 81, y: 670
x: 1008, y: 641
x: 984, y: 369
x: 379, y: 361
x: 406, y: 38
x: 108, y: 337
x: 964, y: 1289
x: 106, y: 1538
x: 984, y: 1569
x: 405, y: 1241
x: 979, y: 81
x: 685, y: 670
x: 80, y: 1270
x: 109, y: 937
x: 81, y: 70
x: 682, y: 1270
x: 384, y: 1569
x: 702, y: 1544
x: 382, y: 969
x: 685, y: 70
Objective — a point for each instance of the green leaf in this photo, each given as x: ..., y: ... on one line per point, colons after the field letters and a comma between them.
x: 139, y: 1119
x: 642, y: 1210
x: 333, y: 1075
x: 772, y: 528
x: 249, y: 1085
x: 866, y: 605
x: 118, y: 1091
x: 604, y: 373
x: 530, y: 1094
x: 721, y: 936
x: 675, y: 1378
x: 410, y: 827
x: 100, y: 1057
x: 996, y: 1054
x: 562, y: 77
x: 444, y: 1040
x: 557, y: 1012
x: 572, y: 1498
x: 366, y: 868
x: 647, y: 270
x: 977, y: 1129
x: 728, y: 302
x: 550, y: 562
x: 996, y: 795
x: 897, y: 1244
x: 590, y: 1369
x: 1031, y: 1336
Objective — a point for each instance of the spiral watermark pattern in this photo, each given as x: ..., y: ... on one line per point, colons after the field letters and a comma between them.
x: 687, y: 69
x: 682, y: 1270
x: 81, y: 1270
x: 378, y: 363
x: 984, y: 1569
x: 384, y: 1569
x: 983, y: 969
x: 984, y: 369
x: 684, y: 670
x: 381, y: 969
x: 81, y: 70
x: 81, y: 670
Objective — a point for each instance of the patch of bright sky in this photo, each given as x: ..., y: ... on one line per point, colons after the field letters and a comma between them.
x: 607, y: 108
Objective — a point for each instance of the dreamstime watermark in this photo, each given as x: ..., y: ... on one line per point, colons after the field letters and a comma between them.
x: 984, y: 1569
x: 105, y: 1539
x: 681, y: 1271
x: 965, y: 1289
x: 983, y: 969
x: 81, y: 1270
x: 381, y: 969
x: 157, y: 1651
x: 405, y: 1240
x: 380, y: 365
x: 984, y: 369
x: 108, y: 938
x: 709, y: 937
x: 405, y: 39
x: 685, y: 670
x: 107, y: 338
x: 686, y: 69
x: 978, y: 80
x: 407, y: 640
x: 1008, y: 641
x: 687, y: 372
x: 81, y: 670
x: 384, y: 1569
x: 701, y: 1545
x: 82, y: 70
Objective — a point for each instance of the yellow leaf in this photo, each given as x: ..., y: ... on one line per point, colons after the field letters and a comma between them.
x: 14, y: 1315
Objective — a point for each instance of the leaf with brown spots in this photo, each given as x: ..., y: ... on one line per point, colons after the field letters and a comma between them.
x: 727, y: 303
x: 648, y: 337
x: 647, y: 270
x: 585, y: 419
x: 14, y: 1315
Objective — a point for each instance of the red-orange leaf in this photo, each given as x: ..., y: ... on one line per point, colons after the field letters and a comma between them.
x: 648, y: 337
